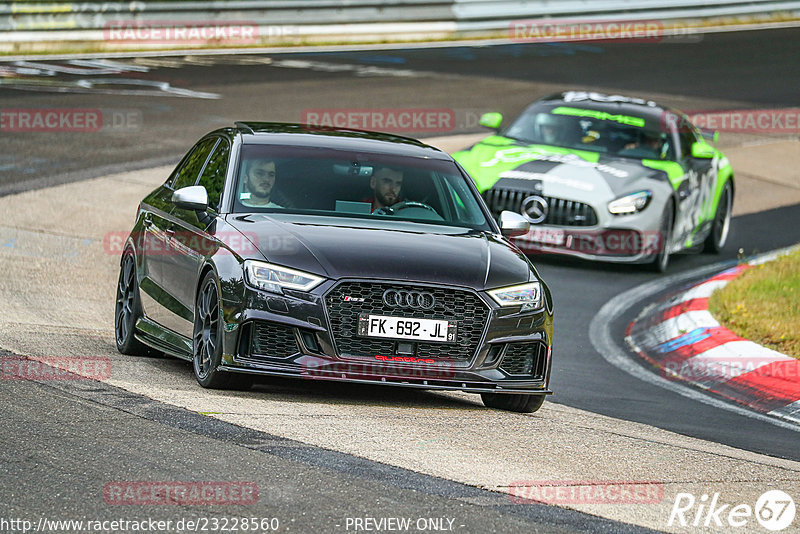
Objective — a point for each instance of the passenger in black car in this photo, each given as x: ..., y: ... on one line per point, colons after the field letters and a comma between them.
x: 259, y: 180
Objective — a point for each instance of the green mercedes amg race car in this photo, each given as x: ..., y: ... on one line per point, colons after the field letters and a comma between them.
x: 606, y: 178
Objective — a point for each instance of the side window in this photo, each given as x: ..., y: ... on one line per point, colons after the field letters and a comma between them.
x: 668, y: 148
x: 687, y: 139
x: 213, y: 177
x: 686, y: 136
x: 191, y: 166
x: 456, y: 193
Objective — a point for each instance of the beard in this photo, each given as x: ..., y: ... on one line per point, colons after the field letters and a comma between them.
x: 259, y: 192
x: 392, y: 199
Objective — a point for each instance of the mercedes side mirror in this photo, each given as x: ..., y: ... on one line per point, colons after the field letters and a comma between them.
x: 491, y: 120
x: 702, y: 150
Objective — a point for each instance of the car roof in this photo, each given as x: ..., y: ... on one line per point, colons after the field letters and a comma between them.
x: 652, y: 112
x: 300, y: 135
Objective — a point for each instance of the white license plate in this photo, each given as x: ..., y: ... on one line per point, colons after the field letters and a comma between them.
x: 427, y: 330
x: 547, y: 236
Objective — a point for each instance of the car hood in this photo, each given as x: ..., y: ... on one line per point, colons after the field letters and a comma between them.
x: 395, y: 250
x: 553, y: 171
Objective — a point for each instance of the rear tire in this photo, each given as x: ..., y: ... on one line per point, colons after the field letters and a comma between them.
x: 660, y: 260
x: 720, y: 228
x: 128, y: 308
x: 513, y: 402
x: 207, y: 341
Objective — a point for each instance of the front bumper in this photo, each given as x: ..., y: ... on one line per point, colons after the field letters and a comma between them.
x: 580, y: 224
x: 295, y: 335
x: 615, y: 245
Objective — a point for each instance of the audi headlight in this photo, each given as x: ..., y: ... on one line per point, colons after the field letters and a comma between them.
x: 632, y: 203
x: 524, y: 294
x: 273, y: 278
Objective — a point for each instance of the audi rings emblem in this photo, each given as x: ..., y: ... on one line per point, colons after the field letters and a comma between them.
x: 534, y: 209
x: 401, y: 298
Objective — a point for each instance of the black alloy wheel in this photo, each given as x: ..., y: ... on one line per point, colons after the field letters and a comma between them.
x: 207, y: 341
x: 128, y: 308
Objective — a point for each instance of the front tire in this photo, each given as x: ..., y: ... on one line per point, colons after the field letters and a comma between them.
x: 513, y: 402
x: 720, y: 228
x: 128, y: 308
x: 207, y: 341
x: 660, y: 260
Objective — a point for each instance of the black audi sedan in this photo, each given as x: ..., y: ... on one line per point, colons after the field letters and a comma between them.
x: 330, y: 254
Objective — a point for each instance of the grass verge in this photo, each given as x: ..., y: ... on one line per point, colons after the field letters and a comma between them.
x: 763, y: 304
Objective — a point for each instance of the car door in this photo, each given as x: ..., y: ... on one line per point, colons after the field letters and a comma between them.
x: 693, y: 191
x: 193, y: 239
x: 168, y: 312
x: 155, y: 208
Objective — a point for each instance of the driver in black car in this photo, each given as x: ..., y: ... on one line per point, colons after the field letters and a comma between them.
x: 386, y: 184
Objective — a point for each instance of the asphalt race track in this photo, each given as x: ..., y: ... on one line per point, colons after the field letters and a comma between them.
x: 148, y: 123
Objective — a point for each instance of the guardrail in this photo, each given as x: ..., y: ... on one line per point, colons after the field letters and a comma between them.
x: 496, y: 14
x: 28, y: 25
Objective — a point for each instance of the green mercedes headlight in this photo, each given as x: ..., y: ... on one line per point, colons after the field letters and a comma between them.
x: 274, y: 278
x: 529, y: 294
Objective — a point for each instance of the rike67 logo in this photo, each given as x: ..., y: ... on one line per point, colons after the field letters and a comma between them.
x: 774, y: 510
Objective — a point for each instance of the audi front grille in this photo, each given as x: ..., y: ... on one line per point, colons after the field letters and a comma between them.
x: 344, y: 304
x: 560, y: 212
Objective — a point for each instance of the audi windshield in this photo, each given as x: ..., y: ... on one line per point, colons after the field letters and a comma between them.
x: 330, y: 182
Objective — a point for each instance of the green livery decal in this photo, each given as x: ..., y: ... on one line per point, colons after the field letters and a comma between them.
x: 599, y: 115
x: 673, y: 169
x: 724, y: 175
x: 487, y: 160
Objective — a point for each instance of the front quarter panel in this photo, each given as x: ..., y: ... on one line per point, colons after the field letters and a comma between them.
x: 724, y: 171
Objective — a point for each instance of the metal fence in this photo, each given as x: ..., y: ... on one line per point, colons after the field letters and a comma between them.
x: 297, y: 21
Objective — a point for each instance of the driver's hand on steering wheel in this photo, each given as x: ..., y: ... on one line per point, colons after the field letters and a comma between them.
x: 403, y: 204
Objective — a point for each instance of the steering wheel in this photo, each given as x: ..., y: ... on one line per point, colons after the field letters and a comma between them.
x: 400, y: 206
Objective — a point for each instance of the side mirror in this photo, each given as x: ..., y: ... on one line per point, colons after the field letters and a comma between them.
x: 513, y: 224
x: 491, y: 120
x: 194, y: 197
x: 702, y: 150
